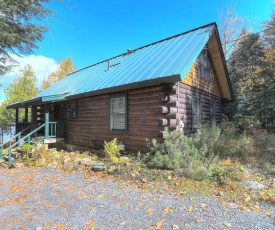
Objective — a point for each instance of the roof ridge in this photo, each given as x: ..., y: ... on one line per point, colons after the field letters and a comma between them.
x: 142, y: 47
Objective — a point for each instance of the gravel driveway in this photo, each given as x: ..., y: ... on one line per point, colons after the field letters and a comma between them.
x: 50, y: 199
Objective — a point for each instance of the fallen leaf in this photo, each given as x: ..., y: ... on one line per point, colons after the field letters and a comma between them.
x: 143, y: 186
x: 242, y: 207
x: 202, y: 205
x: 227, y: 225
x: 150, y: 212
x: 90, y: 224
x: 187, y: 225
x: 48, y: 223
x: 60, y: 227
x: 100, y: 196
x: 223, y: 202
x: 158, y: 224
x: 190, y: 209
x: 198, y: 220
x: 175, y: 227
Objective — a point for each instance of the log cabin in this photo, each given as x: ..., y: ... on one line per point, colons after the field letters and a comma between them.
x: 179, y: 82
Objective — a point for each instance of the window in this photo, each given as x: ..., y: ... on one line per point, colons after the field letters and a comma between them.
x: 118, y: 112
x: 196, y: 112
x: 204, y: 67
x: 212, y: 111
x: 71, y: 110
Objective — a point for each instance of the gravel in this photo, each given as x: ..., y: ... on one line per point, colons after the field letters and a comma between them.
x: 51, y: 199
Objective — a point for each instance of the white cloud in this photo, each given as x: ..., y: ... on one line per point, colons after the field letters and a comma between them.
x: 41, y: 65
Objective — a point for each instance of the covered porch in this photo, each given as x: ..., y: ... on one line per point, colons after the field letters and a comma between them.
x: 49, y: 115
x: 44, y: 114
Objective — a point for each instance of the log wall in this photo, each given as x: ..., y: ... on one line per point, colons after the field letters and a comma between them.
x: 91, y: 126
x: 185, y: 106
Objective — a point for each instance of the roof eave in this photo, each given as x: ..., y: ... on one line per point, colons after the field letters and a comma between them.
x: 224, y: 64
x: 25, y: 104
x: 158, y: 81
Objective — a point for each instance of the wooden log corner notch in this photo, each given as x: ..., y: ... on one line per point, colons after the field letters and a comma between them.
x: 171, y: 123
x: 170, y: 99
x: 168, y: 110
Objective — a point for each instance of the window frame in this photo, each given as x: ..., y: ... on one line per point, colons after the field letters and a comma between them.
x: 204, y: 72
x: 212, y: 111
x: 69, y: 109
x: 198, y: 98
x: 110, y: 111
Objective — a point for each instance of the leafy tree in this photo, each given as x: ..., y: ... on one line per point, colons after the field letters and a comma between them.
x: 231, y: 27
x: 65, y: 67
x: 19, y: 28
x: 22, y: 88
x: 6, y: 118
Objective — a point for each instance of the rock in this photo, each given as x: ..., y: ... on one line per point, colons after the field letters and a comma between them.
x: 86, y: 161
x: 78, y: 160
x: 53, y: 165
x: 68, y: 166
x: 99, y: 167
x: 113, y: 167
x: 252, y: 185
x: 67, y: 159
x: 19, y: 165
x: 79, y: 167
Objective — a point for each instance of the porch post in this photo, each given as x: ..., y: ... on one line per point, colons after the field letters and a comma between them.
x: 16, y: 115
x: 26, y: 114
x: 46, y: 109
x: 34, y: 114
x: 16, y: 119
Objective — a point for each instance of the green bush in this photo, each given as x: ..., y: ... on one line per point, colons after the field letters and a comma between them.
x: 195, y: 156
x: 222, y: 141
x: 112, y: 150
x: 179, y: 153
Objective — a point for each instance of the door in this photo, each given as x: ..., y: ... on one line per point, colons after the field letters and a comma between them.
x: 58, y: 117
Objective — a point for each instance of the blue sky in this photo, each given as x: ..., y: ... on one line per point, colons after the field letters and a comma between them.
x: 94, y: 30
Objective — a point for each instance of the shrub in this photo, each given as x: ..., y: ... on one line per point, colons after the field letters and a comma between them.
x: 222, y: 141
x: 244, y: 122
x: 179, y: 153
x: 226, y: 170
x: 111, y: 150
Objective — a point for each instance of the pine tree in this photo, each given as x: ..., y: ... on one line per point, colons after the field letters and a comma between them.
x: 19, y: 30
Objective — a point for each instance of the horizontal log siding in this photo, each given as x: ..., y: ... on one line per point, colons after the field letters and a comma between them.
x: 184, y: 102
x: 91, y: 126
x: 193, y: 80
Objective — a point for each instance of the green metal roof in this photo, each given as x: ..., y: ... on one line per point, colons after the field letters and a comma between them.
x: 165, y: 61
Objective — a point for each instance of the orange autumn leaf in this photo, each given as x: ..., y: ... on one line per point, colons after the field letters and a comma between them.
x: 150, y: 212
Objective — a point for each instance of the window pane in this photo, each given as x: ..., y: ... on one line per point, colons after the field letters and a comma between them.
x: 118, y: 110
x: 196, y: 112
x: 119, y: 121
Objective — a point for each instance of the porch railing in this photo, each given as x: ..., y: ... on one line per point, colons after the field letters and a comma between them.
x: 52, y: 127
x: 22, y: 126
x: 15, y: 137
